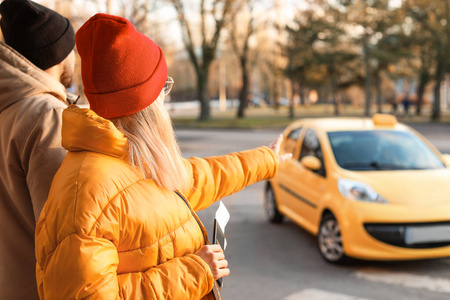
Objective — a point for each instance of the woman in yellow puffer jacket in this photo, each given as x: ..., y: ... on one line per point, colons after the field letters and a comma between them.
x: 120, y: 220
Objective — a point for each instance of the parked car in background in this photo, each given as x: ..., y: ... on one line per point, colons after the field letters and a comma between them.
x: 368, y: 188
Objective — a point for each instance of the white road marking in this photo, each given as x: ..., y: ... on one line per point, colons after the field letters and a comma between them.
x: 314, y: 294
x: 434, y: 284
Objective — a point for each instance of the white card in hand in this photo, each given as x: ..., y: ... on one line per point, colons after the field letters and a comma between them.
x: 222, y: 216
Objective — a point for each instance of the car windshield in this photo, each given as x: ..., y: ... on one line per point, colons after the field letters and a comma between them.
x: 382, y: 150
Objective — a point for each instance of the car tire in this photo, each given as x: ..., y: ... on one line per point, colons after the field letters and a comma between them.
x: 329, y: 240
x: 270, y: 206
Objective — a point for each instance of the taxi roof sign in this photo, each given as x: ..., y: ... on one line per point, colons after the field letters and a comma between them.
x: 384, y: 120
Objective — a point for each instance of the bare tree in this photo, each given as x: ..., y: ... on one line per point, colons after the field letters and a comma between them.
x: 213, y: 17
x: 239, y: 38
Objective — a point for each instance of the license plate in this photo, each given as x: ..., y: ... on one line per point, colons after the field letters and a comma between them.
x: 427, y: 234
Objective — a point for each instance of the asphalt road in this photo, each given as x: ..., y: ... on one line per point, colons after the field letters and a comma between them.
x: 282, y: 262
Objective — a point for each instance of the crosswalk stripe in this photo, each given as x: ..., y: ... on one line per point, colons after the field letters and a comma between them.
x: 315, y: 294
x: 434, y: 284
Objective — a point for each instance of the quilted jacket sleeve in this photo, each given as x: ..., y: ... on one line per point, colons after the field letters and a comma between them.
x: 168, y: 280
x: 216, y: 177
x: 85, y: 267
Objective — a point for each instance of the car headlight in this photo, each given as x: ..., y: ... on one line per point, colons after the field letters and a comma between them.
x: 356, y: 190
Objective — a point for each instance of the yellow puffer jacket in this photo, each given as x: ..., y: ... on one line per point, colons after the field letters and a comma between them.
x: 107, y: 233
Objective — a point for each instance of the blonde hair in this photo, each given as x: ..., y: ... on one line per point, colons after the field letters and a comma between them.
x: 152, y: 147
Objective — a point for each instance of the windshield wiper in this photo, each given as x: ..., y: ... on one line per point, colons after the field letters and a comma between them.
x: 383, y: 166
x: 373, y: 165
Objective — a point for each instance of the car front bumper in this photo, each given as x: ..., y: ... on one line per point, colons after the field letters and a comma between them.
x: 390, y: 232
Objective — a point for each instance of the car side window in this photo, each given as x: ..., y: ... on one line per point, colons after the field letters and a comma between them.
x: 311, y: 146
x: 291, y: 140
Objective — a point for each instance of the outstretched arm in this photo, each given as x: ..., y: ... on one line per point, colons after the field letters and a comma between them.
x: 216, y: 177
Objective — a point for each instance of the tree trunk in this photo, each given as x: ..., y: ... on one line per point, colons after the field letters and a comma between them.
x: 275, y: 94
x: 335, y: 100
x: 301, y: 91
x: 333, y: 86
x: 291, y: 102
x: 243, y: 94
x: 423, y: 80
x: 378, y: 89
x: 367, y: 81
x: 436, y: 114
x: 440, y: 72
x: 202, y: 87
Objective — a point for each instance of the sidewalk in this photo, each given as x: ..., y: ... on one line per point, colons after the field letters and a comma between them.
x: 185, y: 115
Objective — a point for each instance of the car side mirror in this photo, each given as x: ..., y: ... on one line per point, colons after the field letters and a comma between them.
x: 311, y: 162
x: 446, y: 159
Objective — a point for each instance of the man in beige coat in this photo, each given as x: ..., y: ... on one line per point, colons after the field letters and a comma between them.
x: 36, y: 64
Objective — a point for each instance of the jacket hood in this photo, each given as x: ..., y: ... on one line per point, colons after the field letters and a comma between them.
x: 84, y: 130
x: 19, y: 79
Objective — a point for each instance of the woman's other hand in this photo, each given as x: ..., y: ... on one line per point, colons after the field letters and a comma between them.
x: 275, y: 146
x: 214, y: 257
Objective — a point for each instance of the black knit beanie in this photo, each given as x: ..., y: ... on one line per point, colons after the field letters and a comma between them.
x: 40, y: 34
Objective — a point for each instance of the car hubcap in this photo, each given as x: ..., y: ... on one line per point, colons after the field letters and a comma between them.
x: 330, y: 241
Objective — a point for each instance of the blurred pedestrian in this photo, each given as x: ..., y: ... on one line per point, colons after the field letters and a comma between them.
x: 120, y: 219
x: 36, y: 64
x: 406, y: 102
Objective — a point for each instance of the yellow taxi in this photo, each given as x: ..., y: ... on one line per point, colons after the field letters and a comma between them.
x: 368, y: 188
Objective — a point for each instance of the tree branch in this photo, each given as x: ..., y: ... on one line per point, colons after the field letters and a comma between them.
x: 186, y: 32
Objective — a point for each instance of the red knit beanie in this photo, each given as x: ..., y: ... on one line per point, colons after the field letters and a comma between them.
x: 123, y: 71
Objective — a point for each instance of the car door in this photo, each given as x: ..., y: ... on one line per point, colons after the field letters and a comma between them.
x: 305, y: 186
x: 288, y: 168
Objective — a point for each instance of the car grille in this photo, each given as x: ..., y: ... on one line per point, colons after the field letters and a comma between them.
x: 411, y: 235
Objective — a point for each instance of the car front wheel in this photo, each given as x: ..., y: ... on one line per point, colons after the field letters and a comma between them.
x: 330, y: 240
x: 271, y: 208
